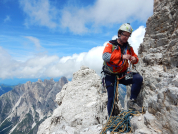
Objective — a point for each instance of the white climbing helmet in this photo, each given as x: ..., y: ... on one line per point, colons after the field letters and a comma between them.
x: 126, y: 27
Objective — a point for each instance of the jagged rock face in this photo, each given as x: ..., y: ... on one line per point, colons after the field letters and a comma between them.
x: 158, y: 65
x: 63, y: 81
x: 26, y: 106
x: 82, y: 108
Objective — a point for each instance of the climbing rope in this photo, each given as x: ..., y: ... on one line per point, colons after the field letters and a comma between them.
x: 121, y: 123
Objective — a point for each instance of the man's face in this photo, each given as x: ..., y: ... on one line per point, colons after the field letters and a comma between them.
x: 124, y: 36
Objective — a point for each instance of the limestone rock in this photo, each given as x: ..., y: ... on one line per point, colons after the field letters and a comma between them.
x: 158, y: 62
x: 82, y: 106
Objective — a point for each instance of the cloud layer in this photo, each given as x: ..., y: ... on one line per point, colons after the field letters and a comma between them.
x: 39, y: 12
x: 43, y: 65
x: 85, y: 19
x: 137, y: 38
x: 104, y: 13
x: 35, y: 41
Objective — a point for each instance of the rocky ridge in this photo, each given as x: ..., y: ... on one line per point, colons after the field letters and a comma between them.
x: 82, y: 106
x: 26, y: 106
x: 158, y: 65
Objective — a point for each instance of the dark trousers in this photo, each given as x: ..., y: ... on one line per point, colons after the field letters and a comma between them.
x: 135, y: 89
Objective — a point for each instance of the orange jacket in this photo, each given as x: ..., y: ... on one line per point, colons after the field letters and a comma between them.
x: 115, y: 63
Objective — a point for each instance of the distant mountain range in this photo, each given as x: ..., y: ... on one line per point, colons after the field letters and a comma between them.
x: 16, y: 81
x: 27, y: 105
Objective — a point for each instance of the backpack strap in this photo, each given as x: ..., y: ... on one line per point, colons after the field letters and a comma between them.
x: 116, y: 47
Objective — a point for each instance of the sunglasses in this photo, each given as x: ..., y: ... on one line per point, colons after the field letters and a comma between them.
x: 125, y: 35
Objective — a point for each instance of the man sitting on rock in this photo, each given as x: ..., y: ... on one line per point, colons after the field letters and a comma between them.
x: 116, y: 55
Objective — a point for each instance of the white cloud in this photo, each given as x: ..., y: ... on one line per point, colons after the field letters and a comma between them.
x: 68, y: 65
x: 49, y: 66
x: 137, y: 38
x: 35, y: 41
x: 7, y: 18
x: 8, y: 65
x: 39, y: 12
x: 114, y: 37
x: 52, y: 66
x: 36, y: 66
x: 86, y: 19
x: 104, y: 13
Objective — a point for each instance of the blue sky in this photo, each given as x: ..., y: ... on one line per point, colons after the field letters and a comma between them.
x: 53, y: 38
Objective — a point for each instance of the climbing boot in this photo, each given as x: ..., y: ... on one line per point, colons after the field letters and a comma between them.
x: 132, y: 105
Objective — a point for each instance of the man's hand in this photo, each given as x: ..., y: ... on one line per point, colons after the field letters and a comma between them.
x: 133, y: 59
x: 127, y: 56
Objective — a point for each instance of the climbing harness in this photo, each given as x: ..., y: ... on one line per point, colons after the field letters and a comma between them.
x: 120, y: 123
